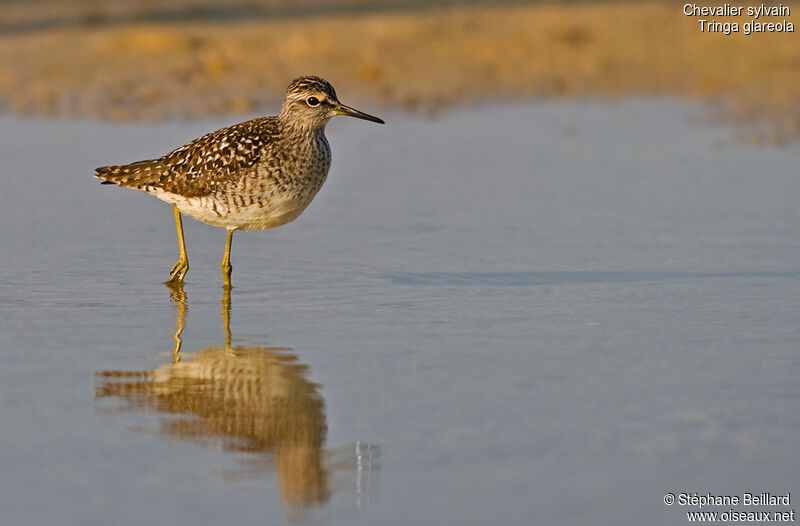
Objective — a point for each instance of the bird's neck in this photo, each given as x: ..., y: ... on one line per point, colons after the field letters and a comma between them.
x: 302, y: 140
x: 301, y: 129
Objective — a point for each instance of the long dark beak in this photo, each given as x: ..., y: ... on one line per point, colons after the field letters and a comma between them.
x: 341, y: 109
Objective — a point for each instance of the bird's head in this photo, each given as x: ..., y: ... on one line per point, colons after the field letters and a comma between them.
x: 311, y: 102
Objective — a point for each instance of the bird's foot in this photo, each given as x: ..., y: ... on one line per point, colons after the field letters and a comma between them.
x: 178, y: 271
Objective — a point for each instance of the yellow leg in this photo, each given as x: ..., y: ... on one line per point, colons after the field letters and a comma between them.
x: 180, y: 268
x: 226, y: 260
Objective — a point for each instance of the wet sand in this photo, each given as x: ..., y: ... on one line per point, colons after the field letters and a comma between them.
x: 418, y: 59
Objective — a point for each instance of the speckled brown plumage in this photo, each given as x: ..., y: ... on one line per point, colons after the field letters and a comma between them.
x: 254, y: 175
x: 199, y: 167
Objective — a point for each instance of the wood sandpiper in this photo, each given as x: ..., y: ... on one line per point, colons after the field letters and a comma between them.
x: 254, y: 175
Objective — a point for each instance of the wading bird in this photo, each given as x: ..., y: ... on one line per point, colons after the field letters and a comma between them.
x: 254, y: 175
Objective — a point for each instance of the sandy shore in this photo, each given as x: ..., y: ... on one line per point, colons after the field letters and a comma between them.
x: 422, y: 59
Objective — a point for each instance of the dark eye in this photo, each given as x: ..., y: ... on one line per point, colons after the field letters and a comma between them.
x: 312, y: 101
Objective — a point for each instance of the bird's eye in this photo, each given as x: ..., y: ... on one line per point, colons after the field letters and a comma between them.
x: 312, y: 101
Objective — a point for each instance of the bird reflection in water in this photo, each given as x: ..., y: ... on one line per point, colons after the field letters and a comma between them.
x: 255, y: 399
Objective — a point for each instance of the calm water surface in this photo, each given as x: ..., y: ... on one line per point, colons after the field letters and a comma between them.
x: 530, y: 314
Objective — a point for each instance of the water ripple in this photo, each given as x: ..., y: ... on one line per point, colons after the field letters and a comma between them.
x: 523, y: 278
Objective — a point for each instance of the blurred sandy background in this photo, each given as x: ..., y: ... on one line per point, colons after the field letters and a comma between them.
x: 160, y: 59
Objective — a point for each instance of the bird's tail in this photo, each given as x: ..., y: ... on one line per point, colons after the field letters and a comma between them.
x: 125, y: 174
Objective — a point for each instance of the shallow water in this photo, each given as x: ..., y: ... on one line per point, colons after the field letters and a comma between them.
x: 539, y: 313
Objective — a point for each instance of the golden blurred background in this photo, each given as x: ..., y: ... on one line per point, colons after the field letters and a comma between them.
x: 156, y: 59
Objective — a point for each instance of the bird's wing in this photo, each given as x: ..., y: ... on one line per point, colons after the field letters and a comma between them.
x: 199, y: 167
